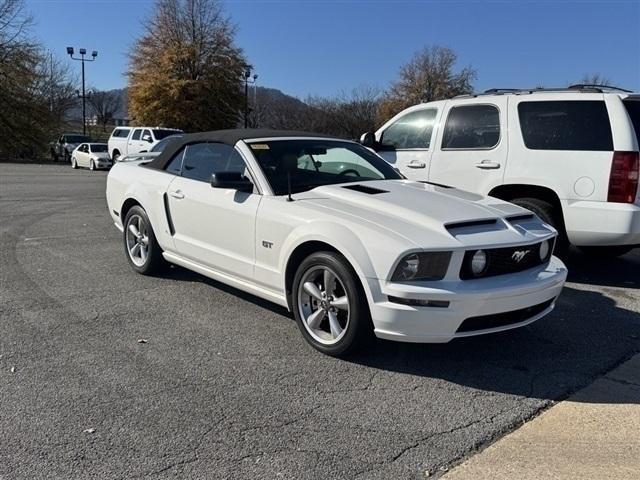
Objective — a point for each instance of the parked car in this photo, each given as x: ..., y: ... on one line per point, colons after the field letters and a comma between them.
x: 132, y: 140
x: 331, y: 231
x: 568, y: 155
x: 91, y: 155
x: 67, y: 143
x: 153, y: 152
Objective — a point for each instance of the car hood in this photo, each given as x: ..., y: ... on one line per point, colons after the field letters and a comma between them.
x: 430, y: 216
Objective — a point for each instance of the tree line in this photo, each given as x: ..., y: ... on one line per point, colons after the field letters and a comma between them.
x: 187, y: 71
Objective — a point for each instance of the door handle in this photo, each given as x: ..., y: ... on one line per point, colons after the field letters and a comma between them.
x: 177, y: 194
x: 416, y: 164
x: 487, y: 165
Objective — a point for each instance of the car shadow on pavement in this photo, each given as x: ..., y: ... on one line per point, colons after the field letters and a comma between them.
x: 609, y: 272
x: 586, y: 336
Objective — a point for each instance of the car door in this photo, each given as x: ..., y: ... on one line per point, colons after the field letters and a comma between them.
x: 471, y: 149
x: 82, y: 158
x: 214, y: 227
x: 406, y: 142
x: 135, y: 142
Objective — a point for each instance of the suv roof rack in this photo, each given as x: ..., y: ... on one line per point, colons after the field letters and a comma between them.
x: 579, y: 87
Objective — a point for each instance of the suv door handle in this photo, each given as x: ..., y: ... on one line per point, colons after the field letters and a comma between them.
x: 177, y: 194
x: 487, y: 165
x: 416, y: 164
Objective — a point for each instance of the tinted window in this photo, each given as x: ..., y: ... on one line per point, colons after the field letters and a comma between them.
x: 565, y: 125
x: 410, y: 131
x: 201, y: 160
x: 160, y: 133
x: 175, y: 165
x: 633, y: 109
x: 472, y: 126
x: 76, y: 138
x: 98, y: 148
x: 159, y: 147
x: 120, y: 133
x: 147, y: 134
x: 136, y: 134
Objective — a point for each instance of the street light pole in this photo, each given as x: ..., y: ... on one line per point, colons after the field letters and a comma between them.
x: 247, y: 81
x: 83, y: 52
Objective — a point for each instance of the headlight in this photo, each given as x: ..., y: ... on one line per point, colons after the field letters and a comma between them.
x: 545, y: 250
x: 422, y: 266
x: 479, y: 263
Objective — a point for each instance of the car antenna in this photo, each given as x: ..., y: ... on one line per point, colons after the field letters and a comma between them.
x: 289, y: 199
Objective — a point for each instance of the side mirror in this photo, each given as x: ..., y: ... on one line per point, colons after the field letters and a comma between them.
x: 147, y: 138
x: 232, y: 180
x: 369, y: 140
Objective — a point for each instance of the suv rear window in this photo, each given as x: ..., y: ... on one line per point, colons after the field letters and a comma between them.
x: 472, y: 127
x: 566, y: 125
x: 633, y: 109
x: 120, y: 133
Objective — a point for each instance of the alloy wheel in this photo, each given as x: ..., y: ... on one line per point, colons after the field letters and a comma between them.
x: 323, y: 305
x: 137, y: 240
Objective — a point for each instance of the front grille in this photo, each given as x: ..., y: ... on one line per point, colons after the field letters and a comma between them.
x: 501, y: 261
x: 485, y: 322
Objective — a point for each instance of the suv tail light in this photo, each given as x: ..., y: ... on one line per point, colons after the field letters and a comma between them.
x: 623, y: 181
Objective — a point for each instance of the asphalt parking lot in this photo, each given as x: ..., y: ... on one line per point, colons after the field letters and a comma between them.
x: 225, y: 386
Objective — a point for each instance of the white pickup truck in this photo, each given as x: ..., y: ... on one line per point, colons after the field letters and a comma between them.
x: 131, y: 140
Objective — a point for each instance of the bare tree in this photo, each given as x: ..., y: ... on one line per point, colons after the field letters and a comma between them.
x: 104, y: 105
x: 594, y: 79
x: 428, y: 76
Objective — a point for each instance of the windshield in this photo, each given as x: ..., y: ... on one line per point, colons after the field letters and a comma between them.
x: 98, y: 147
x: 160, y: 146
x: 76, y: 138
x: 317, y: 163
x: 160, y: 133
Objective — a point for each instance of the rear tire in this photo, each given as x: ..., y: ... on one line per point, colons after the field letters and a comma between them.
x: 115, y: 157
x: 606, y: 252
x: 548, y: 214
x: 333, y: 319
x: 140, y: 244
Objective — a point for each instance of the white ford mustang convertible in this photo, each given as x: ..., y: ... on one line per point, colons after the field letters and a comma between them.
x: 329, y: 230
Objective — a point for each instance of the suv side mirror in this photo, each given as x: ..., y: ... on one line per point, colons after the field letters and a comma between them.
x: 369, y: 140
x: 232, y: 180
x: 147, y: 138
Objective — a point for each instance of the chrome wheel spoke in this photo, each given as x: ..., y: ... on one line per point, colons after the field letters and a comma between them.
x: 341, y: 302
x: 135, y: 251
x: 329, y: 281
x: 315, y: 318
x: 134, y: 230
x: 313, y: 290
x: 334, y: 325
x: 145, y: 240
x: 143, y: 253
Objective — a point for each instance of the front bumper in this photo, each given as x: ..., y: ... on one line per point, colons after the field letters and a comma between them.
x: 602, y: 223
x: 470, y: 298
x: 102, y: 164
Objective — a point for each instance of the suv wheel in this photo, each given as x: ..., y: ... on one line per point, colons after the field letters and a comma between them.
x: 548, y: 214
x: 329, y: 304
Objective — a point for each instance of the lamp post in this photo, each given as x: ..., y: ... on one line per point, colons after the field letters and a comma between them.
x: 247, y: 81
x: 83, y: 52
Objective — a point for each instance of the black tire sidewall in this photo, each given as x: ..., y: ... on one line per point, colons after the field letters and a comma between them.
x: 154, y: 258
x: 547, y: 214
x: 360, y: 327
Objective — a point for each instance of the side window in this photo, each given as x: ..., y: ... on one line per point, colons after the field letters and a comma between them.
x: 136, y: 134
x: 146, y: 136
x: 471, y: 127
x: 413, y: 130
x: 566, y: 125
x: 175, y: 165
x: 201, y: 160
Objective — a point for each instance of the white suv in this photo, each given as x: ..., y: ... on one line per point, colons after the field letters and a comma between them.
x: 131, y: 140
x: 569, y: 155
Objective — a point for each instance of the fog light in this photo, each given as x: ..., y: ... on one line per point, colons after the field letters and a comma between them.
x: 545, y: 247
x: 414, y: 302
x: 479, y: 263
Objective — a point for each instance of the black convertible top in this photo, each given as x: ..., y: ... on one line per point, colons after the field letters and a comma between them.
x: 228, y: 137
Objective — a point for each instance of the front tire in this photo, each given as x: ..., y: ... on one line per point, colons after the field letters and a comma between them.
x: 330, y: 305
x: 548, y: 214
x: 140, y: 244
x: 92, y: 166
x: 74, y: 162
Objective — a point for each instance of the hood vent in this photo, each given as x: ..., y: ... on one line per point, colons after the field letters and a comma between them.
x: 365, y: 189
x: 472, y: 223
x: 520, y: 218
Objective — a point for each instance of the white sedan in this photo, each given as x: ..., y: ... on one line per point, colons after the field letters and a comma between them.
x: 331, y: 231
x: 91, y: 155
